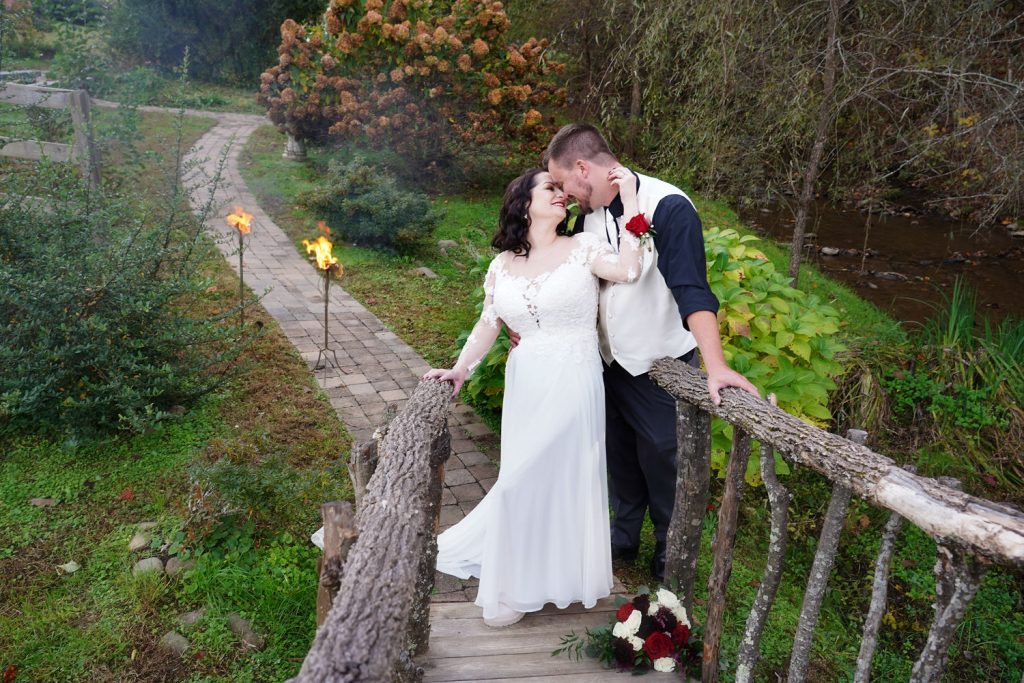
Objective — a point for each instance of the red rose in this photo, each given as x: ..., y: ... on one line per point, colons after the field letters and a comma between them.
x: 624, y: 611
x: 680, y: 634
x: 658, y: 645
x: 638, y: 225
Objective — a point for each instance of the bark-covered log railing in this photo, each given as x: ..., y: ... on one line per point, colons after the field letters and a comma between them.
x: 971, y: 532
x: 380, y: 616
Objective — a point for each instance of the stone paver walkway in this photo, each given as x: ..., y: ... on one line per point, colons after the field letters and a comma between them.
x: 377, y: 368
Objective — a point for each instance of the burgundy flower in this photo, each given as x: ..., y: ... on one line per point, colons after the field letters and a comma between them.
x: 647, y: 626
x: 624, y: 611
x: 642, y: 603
x: 665, y: 619
x: 623, y: 652
x: 658, y: 645
x: 680, y: 634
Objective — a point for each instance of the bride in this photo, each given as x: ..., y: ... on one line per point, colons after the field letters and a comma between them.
x: 542, y: 533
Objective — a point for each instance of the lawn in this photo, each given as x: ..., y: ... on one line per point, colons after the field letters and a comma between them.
x: 232, y: 484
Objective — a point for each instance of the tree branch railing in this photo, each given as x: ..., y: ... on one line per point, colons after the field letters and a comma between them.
x: 971, y: 532
x: 379, y: 618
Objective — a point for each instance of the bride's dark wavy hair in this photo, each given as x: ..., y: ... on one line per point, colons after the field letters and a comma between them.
x: 514, y: 221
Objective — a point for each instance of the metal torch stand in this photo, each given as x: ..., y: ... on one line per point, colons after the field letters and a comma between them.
x: 322, y: 358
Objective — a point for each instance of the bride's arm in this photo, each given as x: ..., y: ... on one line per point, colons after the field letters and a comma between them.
x: 480, y: 339
x: 627, y: 265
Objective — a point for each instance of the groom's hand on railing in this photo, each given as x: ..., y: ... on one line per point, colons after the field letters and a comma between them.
x: 722, y: 377
x: 457, y: 376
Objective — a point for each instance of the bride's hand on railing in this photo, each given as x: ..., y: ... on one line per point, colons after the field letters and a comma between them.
x: 457, y: 376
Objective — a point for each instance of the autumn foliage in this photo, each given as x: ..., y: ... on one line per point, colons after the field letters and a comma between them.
x: 424, y: 78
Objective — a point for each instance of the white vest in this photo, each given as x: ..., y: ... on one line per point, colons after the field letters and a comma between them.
x: 639, y: 323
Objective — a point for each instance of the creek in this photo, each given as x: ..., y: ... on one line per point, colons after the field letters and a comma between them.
x: 911, y: 260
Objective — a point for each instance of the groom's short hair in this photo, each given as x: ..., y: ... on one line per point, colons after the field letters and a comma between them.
x: 577, y: 141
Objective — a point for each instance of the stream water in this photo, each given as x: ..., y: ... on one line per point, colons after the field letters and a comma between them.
x: 912, y: 260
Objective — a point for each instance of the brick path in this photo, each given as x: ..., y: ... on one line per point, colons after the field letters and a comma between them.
x: 377, y: 368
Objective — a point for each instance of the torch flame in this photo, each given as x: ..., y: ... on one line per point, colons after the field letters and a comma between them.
x: 240, y: 220
x: 321, y: 247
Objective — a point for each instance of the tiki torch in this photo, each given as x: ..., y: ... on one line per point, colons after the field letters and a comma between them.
x: 328, y: 265
x: 240, y: 220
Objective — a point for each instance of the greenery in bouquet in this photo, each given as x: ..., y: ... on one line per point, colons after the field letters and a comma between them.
x: 649, y: 632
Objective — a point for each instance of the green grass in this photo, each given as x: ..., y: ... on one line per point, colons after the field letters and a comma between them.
x: 273, y: 462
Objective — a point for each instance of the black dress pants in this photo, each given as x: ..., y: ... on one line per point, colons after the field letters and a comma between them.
x: 641, y: 445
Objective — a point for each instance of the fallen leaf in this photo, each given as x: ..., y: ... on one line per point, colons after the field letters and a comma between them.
x: 69, y: 567
x: 42, y: 502
x: 127, y: 494
x: 9, y: 673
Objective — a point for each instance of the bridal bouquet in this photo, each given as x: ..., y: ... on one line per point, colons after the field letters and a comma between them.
x: 647, y: 632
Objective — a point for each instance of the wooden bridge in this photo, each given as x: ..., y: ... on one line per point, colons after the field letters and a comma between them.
x: 380, y: 623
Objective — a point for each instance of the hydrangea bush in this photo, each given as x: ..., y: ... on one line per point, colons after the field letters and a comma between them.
x: 421, y: 77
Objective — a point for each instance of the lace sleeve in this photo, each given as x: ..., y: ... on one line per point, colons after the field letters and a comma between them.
x: 487, y: 327
x: 626, y: 266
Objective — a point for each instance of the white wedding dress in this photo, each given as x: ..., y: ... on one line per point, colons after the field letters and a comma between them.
x: 542, y: 533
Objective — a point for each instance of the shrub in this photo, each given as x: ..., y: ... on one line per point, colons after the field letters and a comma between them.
x: 97, y: 310
x: 83, y: 60
x: 424, y: 78
x: 366, y: 206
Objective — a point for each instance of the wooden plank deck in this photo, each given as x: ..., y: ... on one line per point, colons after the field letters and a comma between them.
x: 462, y: 648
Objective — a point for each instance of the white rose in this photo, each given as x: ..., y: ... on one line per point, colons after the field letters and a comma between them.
x: 653, y: 609
x: 637, y: 643
x: 665, y: 664
x: 668, y: 598
x: 629, y: 627
x: 633, y: 622
x: 680, y: 614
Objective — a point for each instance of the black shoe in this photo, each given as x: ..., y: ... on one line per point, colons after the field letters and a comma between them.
x: 622, y: 553
x: 658, y: 563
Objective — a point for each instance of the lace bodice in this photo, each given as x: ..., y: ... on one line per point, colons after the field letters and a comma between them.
x: 555, y: 310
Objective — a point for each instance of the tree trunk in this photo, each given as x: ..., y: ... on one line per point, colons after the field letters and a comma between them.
x: 294, y: 149
x: 824, y: 120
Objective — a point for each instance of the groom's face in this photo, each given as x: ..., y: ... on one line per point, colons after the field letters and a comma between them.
x: 574, y: 182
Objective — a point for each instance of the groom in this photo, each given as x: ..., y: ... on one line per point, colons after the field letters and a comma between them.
x: 670, y: 311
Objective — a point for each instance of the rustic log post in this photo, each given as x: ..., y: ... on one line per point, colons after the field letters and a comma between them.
x: 879, y: 591
x: 419, y: 621
x: 722, y: 547
x: 824, y: 559
x: 365, y: 455
x: 693, y: 477
x: 362, y: 463
x: 957, y: 577
x: 85, y: 146
x: 339, y: 535
x: 778, y: 499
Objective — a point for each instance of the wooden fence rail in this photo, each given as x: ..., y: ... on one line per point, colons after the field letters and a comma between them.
x: 83, y: 149
x: 970, y: 532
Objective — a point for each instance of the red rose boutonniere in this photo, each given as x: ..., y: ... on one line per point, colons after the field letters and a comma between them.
x: 639, y: 227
